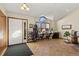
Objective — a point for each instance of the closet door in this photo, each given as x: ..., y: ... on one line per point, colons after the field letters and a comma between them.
x: 15, y: 31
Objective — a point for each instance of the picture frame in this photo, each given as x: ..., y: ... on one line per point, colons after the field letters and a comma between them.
x: 66, y: 27
x: 30, y: 25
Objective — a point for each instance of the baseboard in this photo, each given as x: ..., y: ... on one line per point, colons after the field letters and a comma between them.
x: 16, y: 44
x: 3, y: 51
x: 60, y: 38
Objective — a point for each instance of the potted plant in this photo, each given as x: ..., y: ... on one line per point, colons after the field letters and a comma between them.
x: 66, y: 35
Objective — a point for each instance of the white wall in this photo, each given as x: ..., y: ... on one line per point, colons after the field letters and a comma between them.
x: 17, y: 15
x: 53, y: 24
x: 72, y: 19
x: 33, y: 20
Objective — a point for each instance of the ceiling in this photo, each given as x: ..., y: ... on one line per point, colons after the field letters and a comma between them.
x: 50, y: 10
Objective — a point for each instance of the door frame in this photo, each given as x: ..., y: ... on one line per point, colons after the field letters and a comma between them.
x: 22, y: 27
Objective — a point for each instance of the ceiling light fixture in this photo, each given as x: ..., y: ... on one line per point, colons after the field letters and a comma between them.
x: 24, y: 6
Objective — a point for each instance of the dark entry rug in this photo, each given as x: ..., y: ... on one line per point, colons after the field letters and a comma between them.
x: 18, y: 50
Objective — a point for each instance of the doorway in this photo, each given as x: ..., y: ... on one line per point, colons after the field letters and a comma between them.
x: 16, y: 31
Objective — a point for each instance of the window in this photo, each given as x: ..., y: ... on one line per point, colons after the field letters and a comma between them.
x: 42, y: 19
x: 42, y: 25
x: 42, y: 22
x: 47, y: 26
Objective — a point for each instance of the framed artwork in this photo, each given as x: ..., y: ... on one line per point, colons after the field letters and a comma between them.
x: 66, y: 26
x: 30, y: 25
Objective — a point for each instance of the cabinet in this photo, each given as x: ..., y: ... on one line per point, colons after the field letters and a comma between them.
x: 55, y: 35
x: 75, y: 38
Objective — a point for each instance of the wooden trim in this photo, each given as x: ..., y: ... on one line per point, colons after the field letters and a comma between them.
x: 3, y: 51
x: 2, y: 14
x: 17, y: 18
x: 7, y: 31
x: 3, y: 28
